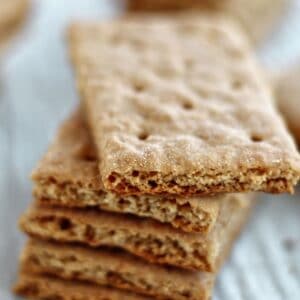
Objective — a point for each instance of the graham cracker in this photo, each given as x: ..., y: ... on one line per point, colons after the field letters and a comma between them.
x: 258, y: 17
x: 178, y: 105
x: 68, y: 176
x: 45, y: 287
x: 153, y: 241
x: 288, y: 94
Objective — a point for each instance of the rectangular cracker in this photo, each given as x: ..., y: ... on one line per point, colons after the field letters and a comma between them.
x: 155, y: 242
x: 178, y: 105
x: 43, y: 287
x: 68, y: 176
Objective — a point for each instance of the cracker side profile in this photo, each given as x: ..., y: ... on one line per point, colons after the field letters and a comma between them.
x: 196, y: 118
x: 115, y: 269
x: 68, y: 176
x: 155, y: 242
x: 44, y: 287
x: 122, y: 270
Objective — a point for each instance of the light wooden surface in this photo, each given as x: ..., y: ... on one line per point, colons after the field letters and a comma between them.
x: 37, y: 92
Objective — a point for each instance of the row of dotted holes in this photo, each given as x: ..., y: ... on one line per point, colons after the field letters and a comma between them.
x: 255, y: 138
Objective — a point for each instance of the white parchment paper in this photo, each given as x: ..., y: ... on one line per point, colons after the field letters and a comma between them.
x: 37, y: 92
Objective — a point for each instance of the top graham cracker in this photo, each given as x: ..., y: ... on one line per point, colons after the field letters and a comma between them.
x: 178, y: 105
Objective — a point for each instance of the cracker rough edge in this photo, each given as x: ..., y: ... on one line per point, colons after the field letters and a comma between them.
x: 158, y: 243
x: 68, y: 176
x: 122, y: 270
x: 44, y: 288
x: 116, y: 269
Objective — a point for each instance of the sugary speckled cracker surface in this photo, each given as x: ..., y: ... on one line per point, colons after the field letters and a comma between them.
x: 178, y: 105
x: 153, y: 241
x: 68, y: 176
x: 44, y: 287
x: 257, y: 16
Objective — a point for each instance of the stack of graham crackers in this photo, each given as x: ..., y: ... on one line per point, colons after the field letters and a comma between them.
x: 148, y: 184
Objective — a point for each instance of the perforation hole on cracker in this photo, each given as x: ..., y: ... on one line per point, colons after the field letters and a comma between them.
x: 143, y: 136
x: 237, y: 84
x: 88, y: 156
x: 139, y: 87
x: 187, y: 105
x: 256, y: 138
